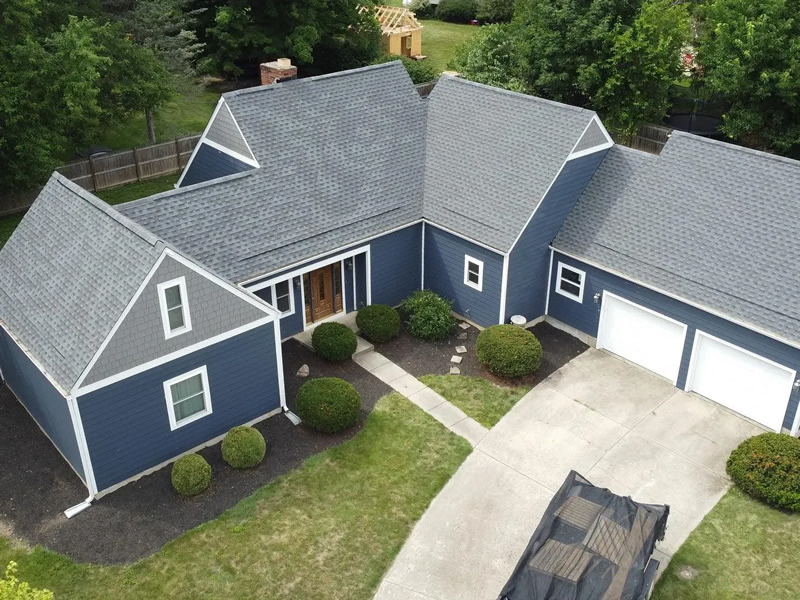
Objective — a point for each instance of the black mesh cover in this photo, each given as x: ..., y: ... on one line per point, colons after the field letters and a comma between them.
x: 590, y: 545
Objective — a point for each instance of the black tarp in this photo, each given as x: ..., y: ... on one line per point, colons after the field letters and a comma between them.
x: 591, y: 544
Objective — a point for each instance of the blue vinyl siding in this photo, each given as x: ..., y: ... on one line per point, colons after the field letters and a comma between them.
x: 395, y: 261
x: 209, y: 163
x: 586, y: 317
x: 43, y: 401
x: 529, y: 260
x: 127, y: 424
x: 444, y: 274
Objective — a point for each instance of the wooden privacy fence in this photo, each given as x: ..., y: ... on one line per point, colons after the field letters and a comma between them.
x: 650, y: 138
x: 130, y: 166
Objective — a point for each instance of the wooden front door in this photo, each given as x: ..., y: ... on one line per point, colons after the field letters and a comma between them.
x: 323, y: 292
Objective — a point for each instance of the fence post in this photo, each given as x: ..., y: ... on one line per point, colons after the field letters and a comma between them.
x: 178, y: 152
x: 94, y: 174
x: 138, y: 168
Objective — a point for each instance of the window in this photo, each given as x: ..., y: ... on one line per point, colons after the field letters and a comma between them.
x: 569, y: 282
x: 188, y: 397
x: 283, y: 296
x: 473, y: 272
x: 174, y: 307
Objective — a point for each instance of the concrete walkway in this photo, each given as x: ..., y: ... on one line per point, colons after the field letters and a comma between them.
x: 420, y: 394
x: 616, y: 424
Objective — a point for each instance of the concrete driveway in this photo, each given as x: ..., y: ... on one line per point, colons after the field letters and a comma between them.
x: 616, y: 424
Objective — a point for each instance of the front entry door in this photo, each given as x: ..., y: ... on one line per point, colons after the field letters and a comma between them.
x: 323, y: 294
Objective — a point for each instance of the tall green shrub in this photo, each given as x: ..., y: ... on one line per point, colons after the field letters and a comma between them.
x: 457, y: 11
x: 429, y: 316
x: 767, y: 467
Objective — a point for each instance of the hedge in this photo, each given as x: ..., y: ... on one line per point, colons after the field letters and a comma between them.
x: 243, y: 447
x: 378, y: 322
x: 328, y: 404
x: 430, y: 316
x: 334, y: 341
x: 767, y: 467
x: 191, y: 474
x: 509, y: 351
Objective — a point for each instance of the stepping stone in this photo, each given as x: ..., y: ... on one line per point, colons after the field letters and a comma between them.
x: 303, y: 371
x: 455, y: 371
x: 461, y: 349
x: 462, y: 336
x: 456, y: 359
x: 464, y: 325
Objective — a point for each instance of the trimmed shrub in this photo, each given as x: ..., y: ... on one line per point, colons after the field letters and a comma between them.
x: 429, y: 315
x: 243, y: 447
x: 422, y: 9
x: 420, y: 71
x: 457, y: 11
x: 191, y: 474
x: 328, y: 404
x: 334, y: 341
x: 378, y: 322
x: 767, y: 467
x: 509, y: 351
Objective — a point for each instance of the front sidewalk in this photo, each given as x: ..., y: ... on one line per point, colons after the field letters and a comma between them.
x: 618, y: 425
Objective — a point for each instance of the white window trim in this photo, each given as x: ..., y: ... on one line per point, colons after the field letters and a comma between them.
x: 274, y: 296
x: 579, y: 297
x: 162, y: 302
x: 477, y: 286
x: 173, y: 425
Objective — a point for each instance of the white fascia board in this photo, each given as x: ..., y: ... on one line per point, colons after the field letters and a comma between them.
x: 34, y: 360
x: 503, y: 290
x: 692, y: 303
x: 464, y: 237
x: 239, y: 129
x: 229, y: 152
x: 220, y: 102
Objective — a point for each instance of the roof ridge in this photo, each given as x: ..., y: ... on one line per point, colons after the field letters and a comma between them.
x: 735, y: 147
x: 180, y: 190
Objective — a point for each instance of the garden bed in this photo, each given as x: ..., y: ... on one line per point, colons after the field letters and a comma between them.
x: 139, y: 518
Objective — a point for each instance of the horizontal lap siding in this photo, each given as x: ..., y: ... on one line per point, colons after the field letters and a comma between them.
x: 127, y: 424
x: 586, y: 317
x: 209, y: 163
x: 530, y: 257
x: 43, y: 401
x: 444, y: 274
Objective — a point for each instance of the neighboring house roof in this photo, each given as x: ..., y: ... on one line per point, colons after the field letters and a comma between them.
x: 344, y: 157
x: 487, y: 191
x: 710, y: 222
x: 67, y: 273
x: 341, y: 159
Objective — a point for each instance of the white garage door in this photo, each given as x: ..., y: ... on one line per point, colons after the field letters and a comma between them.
x: 749, y: 384
x: 642, y: 336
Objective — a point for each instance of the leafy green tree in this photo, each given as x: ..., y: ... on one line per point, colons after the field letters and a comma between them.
x: 750, y: 54
x: 320, y: 35
x: 495, y: 11
x: 11, y: 588
x: 492, y: 57
x: 643, y: 64
x: 420, y: 71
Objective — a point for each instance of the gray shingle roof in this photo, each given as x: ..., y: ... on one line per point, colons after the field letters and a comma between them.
x: 491, y: 155
x: 67, y: 273
x: 341, y: 159
x: 223, y: 131
x: 707, y: 221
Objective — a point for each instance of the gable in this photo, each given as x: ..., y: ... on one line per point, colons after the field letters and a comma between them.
x: 593, y: 136
x: 140, y: 338
x: 224, y: 131
x: 210, y: 163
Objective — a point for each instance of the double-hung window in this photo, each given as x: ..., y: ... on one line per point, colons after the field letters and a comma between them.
x: 279, y: 295
x: 473, y: 272
x: 188, y: 397
x: 174, y: 305
x: 570, y: 282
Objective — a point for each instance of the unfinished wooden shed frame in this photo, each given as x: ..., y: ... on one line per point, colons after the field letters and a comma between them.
x: 401, y: 32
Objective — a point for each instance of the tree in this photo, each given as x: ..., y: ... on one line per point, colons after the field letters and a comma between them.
x: 322, y: 35
x: 11, y: 588
x: 420, y: 71
x: 495, y: 11
x: 492, y: 57
x: 644, y: 63
x: 750, y: 54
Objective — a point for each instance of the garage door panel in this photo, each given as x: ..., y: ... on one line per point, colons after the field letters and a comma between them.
x: 741, y: 381
x: 642, y: 336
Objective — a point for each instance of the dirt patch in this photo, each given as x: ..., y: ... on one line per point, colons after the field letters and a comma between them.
x: 138, y: 519
x: 420, y: 357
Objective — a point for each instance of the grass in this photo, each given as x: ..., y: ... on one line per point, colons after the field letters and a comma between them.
x: 440, y: 41
x: 125, y: 193
x: 480, y: 399
x: 329, y: 529
x: 742, y: 549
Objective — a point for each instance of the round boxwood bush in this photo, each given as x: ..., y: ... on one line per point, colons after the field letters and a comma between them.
x: 334, y: 341
x: 430, y: 316
x: 243, y: 447
x: 378, y: 323
x: 191, y: 474
x: 328, y: 404
x: 509, y: 351
x: 767, y: 467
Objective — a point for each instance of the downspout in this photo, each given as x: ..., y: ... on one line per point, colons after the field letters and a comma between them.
x: 86, y: 463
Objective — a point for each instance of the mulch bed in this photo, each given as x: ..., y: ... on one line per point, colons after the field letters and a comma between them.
x: 420, y: 357
x: 36, y: 484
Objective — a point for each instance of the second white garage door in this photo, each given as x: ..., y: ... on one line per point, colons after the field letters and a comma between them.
x: 749, y: 384
x: 642, y: 336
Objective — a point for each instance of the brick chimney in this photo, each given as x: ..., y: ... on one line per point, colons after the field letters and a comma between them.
x: 277, y: 70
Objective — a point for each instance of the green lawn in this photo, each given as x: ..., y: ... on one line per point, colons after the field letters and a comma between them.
x: 742, y: 549
x: 125, y: 193
x: 480, y: 399
x: 440, y: 40
x: 329, y: 529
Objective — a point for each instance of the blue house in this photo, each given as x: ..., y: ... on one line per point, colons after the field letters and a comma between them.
x: 137, y: 333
